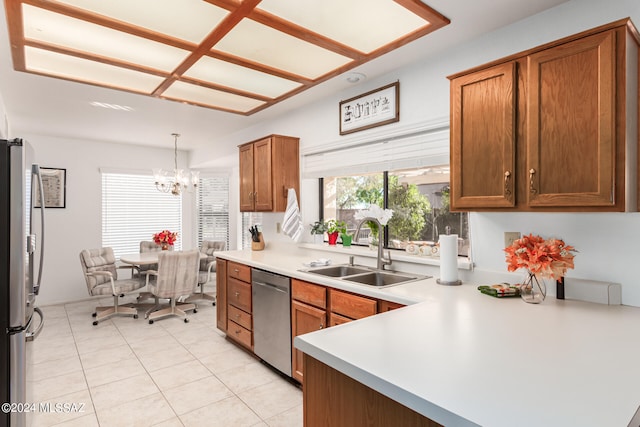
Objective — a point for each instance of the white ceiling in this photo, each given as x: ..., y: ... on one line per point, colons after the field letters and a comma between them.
x: 49, y: 106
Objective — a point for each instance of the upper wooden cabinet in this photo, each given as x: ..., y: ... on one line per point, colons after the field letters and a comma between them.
x: 268, y: 168
x: 551, y: 129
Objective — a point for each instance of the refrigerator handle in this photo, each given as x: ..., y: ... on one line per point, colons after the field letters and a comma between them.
x: 35, y: 171
x: 31, y: 335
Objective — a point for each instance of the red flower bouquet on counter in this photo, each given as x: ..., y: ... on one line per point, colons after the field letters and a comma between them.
x: 544, y: 258
x: 549, y: 258
x: 165, y: 238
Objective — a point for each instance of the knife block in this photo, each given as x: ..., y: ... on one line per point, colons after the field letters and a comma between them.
x: 258, y: 246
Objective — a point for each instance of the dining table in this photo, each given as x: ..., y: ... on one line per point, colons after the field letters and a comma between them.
x: 145, y: 258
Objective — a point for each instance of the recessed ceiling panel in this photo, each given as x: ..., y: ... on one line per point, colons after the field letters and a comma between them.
x: 61, y: 30
x: 189, y: 20
x: 267, y: 46
x: 69, y: 67
x: 232, y: 55
x: 365, y: 25
x: 234, y: 76
x: 181, y: 91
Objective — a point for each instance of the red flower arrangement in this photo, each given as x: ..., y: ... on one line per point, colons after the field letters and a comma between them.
x: 166, y: 237
x: 545, y: 258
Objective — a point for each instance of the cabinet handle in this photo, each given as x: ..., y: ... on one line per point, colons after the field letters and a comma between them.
x: 507, y: 180
x: 238, y: 332
x: 532, y: 188
x: 237, y: 294
x: 235, y: 270
x: 321, y: 326
x: 237, y: 316
x: 255, y: 196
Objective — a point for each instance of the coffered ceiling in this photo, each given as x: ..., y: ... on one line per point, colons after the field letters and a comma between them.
x: 229, y: 55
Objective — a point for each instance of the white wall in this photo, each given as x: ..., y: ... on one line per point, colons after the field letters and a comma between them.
x: 79, y: 225
x: 606, y: 242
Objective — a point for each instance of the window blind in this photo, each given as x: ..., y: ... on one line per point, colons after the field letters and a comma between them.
x: 133, y: 211
x: 213, y: 209
x: 426, y: 147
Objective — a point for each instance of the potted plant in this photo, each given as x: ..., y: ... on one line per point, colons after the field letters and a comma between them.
x: 346, y: 238
x: 318, y: 229
x: 334, y: 228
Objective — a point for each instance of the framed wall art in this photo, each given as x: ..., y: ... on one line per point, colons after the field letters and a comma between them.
x: 54, y: 184
x: 375, y: 108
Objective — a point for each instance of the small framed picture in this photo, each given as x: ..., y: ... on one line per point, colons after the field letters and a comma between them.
x: 54, y: 184
x: 375, y: 108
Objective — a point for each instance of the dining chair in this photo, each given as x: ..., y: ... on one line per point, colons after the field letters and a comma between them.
x: 101, y: 274
x: 207, y: 267
x: 147, y: 246
x: 177, y: 276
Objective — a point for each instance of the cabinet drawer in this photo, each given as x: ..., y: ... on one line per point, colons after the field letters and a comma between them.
x: 309, y: 293
x: 239, y: 334
x: 239, y: 294
x: 388, y: 306
x: 239, y: 271
x: 336, y: 319
x: 352, y: 306
x: 240, y: 317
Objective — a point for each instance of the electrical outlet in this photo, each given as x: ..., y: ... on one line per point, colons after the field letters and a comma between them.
x: 278, y: 227
x: 510, y: 236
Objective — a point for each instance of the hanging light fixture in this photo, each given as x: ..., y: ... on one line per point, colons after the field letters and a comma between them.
x: 180, y: 180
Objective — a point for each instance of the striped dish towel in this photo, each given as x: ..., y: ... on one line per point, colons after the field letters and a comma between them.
x: 292, y: 223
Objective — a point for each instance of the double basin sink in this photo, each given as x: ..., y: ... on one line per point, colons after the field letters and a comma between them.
x: 365, y: 275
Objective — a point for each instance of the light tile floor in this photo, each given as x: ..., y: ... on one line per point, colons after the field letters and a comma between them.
x: 126, y: 372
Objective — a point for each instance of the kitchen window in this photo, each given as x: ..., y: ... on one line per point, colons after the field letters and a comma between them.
x: 213, y: 209
x: 133, y: 211
x: 419, y: 198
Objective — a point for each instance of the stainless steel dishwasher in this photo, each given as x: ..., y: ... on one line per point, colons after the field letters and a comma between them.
x: 272, y: 319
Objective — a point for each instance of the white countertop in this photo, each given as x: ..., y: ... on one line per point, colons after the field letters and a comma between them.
x: 464, y: 358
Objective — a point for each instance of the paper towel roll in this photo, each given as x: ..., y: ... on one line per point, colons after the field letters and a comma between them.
x: 448, y: 259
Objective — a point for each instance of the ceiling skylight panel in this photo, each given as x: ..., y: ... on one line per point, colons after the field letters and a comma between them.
x: 61, y: 30
x: 267, y: 46
x: 365, y: 25
x: 70, y: 67
x: 224, y: 73
x: 189, y: 20
x: 181, y: 91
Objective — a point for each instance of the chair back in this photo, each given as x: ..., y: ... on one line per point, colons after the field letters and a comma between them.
x: 101, y: 259
x: 177, y: 274
x: 208, y: 248
x: 149, y: 246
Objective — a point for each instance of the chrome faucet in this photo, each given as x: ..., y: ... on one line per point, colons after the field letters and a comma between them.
x: 382, y: 261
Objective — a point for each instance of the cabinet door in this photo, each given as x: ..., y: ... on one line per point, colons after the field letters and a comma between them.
x: 571, y: 130
x: 304, y: 319
x: 263, y: 184
x: 246, y: 178
x: 221, y: 294
x: 483, y: 138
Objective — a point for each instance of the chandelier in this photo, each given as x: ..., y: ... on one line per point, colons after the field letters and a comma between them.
x: 180, y: 180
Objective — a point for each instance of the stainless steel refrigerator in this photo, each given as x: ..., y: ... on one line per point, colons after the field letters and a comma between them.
x: 21, y: 261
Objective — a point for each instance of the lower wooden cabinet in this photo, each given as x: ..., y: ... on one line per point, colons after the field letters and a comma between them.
x: 221, y: 294
x: 308, y: 314
x: 239, y: 304
x: 350, y: 305
x: 388, y: 306
x: 333, y: 399
x: 304, y: 319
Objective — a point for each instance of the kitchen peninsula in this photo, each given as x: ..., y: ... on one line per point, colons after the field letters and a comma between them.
x: 460, y: 358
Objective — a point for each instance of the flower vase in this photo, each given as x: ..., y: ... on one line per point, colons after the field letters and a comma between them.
x: 165, y: 246
x: 333, y: 238
x: 533, y: 290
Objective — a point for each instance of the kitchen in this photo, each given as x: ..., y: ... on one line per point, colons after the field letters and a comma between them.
x: 600, y: 237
